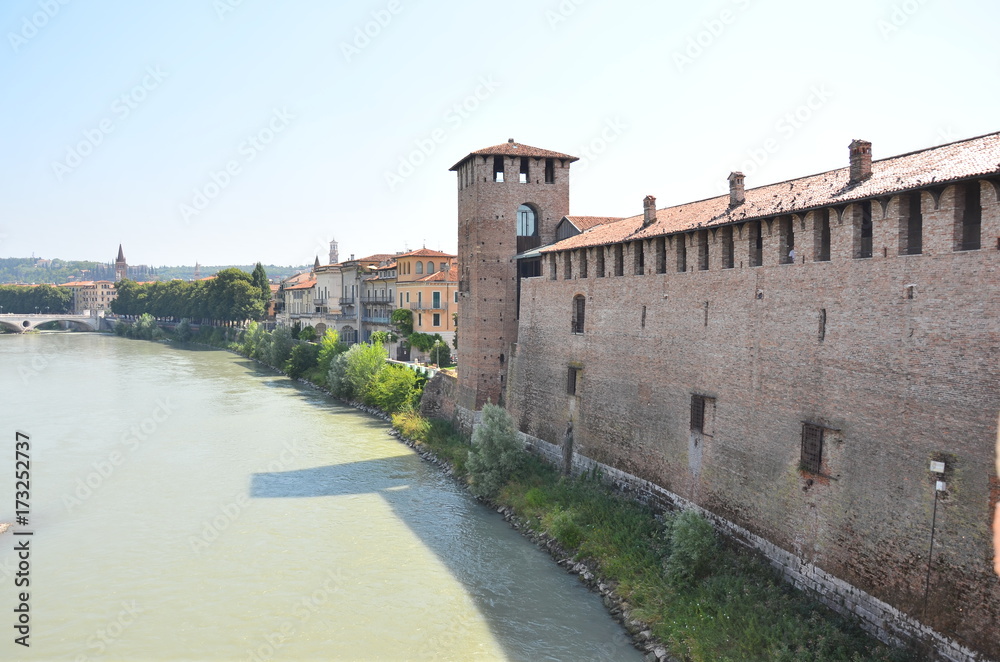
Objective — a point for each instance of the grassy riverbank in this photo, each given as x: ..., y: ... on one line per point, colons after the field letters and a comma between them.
x: 706, y: 600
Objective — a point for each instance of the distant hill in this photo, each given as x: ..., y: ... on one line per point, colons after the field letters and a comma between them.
x: 38, y: 270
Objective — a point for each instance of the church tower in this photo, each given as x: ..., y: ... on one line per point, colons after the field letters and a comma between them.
x: 121, y: 268
x: 510, y: 199
x: 334, y: 257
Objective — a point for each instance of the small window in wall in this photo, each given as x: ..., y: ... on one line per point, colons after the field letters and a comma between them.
x: 579, y: 309
x: 498, y: 168
x: 599, y: 260
x: 728, y: 248
x: 583, y: 262
x: 526, y: 226
x: 420, y: 267
x: 420, y: 320
x: 619, y: 260
x: 550, y: 171
x: 821, y: 235
x: 756, y: 244
x: 661, y: 255
x: 567, y: 265
x: 523, y: 175
x: 682, y: 253
x: 911, y: 225
x: 638, y: 257
x: 864, y: 246
x: 436, y: 320
x: 573, y: 379
x: 969, y: 216
x: 456, y: 296
x: 702, y: 411
x: 811, y: 459
x: 703, y: 250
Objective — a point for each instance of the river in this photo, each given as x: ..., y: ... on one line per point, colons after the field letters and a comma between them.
x: 187, y: 504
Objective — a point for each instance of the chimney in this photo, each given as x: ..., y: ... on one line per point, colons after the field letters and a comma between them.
x: 861, y: 160
x: 648, y: 211
x: 737, y: 193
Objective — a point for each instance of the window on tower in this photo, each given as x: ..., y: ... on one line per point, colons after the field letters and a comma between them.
x: 527, y: 228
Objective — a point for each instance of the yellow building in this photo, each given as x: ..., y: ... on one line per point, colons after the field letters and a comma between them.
x: 92, y: 295
x: 427, y: 284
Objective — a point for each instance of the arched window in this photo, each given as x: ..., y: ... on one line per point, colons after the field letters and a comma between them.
x: 420, y: 267
x: 526, y: 225
x: 430, y: 267
x: 579, y: 307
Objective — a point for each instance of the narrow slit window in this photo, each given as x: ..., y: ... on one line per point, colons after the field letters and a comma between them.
x: 661, y: 255
x: 756, y: 244
x: 971, y: 215
x: 913, y: 230
x: 728, y: 248
x: 811, y: 458
x: 703, y: 250
x: 821, y: 235
x: 639, y: 258
x: 865, y: 231
x: 619, y: 260
x: 682, y: 252
x: 579, y: 310
x: 524, y: 175
x: 567, y: 265
x: 599, y: 259
x: 583, y: 263
x: 786, y: 243
x: 550, y: 171
x: 573, y: 380
x: 498, y: 168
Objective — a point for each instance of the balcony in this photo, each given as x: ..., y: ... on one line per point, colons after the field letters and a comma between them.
x: 377, y: 299
x: 346, y: 301
x: 376, y: 319
x: 319, y: 302
x: 425, y: 305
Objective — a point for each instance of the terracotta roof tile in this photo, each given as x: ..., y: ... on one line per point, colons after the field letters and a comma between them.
x: 935, y: 165
x: 425, y: 252
x: 511, y: 148
x: 584, y: 223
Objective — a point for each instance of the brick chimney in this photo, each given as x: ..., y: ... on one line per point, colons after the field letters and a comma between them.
x: 648, y: 211
x: 861, y: 160
x: 736, y: 192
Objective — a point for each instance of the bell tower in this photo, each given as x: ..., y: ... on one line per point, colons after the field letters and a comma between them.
x: 121, y: 268
x: 510, y: 199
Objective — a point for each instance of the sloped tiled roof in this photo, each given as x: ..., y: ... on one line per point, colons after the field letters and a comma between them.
x: 450, y: 276
x: 936, y: 165
x: 511, y: 148
x: 584, y: 223
x: 305, y: 284
x: 425, y: 252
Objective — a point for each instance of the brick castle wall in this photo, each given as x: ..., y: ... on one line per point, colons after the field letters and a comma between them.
x: 895, y: 356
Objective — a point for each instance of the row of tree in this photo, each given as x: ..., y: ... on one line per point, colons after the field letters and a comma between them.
x: 26, y: 299
x: 232, y: 296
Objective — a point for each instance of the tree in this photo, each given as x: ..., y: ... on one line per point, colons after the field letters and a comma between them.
x: 497, y: 455
x: 440, y: 354
x: 308, y: 333
x: 183, y: 330
x: 393, y: 389
x: 363, y: 361
x: 280, y: 347
x: 402, y: 319
x: 329, y: 347
x: 454, y: 338
x: 259, y: 280
x: 302, y: 359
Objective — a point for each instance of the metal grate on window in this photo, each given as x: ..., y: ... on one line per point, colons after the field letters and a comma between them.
x: 697, y: 413
x: 812, y: 448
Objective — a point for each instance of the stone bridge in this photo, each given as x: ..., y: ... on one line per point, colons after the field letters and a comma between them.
x: 22, y: 323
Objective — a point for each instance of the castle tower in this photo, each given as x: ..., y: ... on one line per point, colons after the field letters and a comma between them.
x: 510, y: 199
x: 334, y: 257
x: 121, y: 268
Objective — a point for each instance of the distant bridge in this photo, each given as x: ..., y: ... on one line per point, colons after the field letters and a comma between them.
x: 22, y: 323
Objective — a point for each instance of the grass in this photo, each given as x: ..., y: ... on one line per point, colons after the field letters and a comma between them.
x: 733, y: 608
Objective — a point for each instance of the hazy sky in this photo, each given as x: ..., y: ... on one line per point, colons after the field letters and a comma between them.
x: 231, y: 131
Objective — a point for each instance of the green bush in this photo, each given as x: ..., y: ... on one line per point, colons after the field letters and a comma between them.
x: 497, y: 455
x: 183, y: 330
x: 411, y: 425
x: 280, y: 347
x: 563, y: 527
x: 329, y: 347
x: 692, y: 548
x: 308, y: 333
x: 440, y: 354
x: 302, y: 359
x: 393, y: 389
x: 362, y: 363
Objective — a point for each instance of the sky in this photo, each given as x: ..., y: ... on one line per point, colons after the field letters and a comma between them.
x: 236, y: 131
